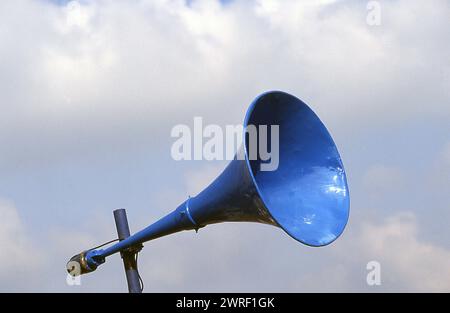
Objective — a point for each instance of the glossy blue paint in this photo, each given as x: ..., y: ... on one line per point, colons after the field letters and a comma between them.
x: 307, y: 196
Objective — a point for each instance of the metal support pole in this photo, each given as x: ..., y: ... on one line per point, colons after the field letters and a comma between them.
x: 128, y: 256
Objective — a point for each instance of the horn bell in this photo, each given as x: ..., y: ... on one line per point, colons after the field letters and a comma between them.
x: 307, y: 195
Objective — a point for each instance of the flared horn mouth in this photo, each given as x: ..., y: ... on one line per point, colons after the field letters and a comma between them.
x: 307, y: 195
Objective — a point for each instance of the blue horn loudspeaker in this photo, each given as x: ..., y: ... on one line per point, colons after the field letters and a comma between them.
x: 307, y: 195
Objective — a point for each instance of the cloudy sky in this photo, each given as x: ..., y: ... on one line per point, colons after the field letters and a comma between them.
x: 90, y: 90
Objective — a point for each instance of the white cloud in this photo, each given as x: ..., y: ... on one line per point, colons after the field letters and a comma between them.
x: 34, y: 260
x: 12, y: 227
x: 87, y: 69
x: 407, y: 262
x: 21, y: 261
